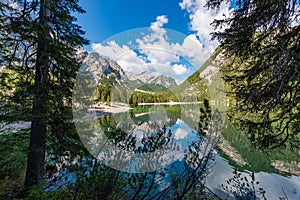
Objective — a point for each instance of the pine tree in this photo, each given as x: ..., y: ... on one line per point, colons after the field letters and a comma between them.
x: 262, y: 44
x: 39, y: 41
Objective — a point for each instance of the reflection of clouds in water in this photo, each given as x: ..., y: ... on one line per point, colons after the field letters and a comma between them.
x: 275, y: 185
x: 180, y: 133
x: 183, y: 136
x: 159, y: 142
x: 288, y: 185
x: 181, y: 130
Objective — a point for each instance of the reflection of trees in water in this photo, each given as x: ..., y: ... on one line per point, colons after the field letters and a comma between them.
x: 244, y: 187
x: 181, y: 179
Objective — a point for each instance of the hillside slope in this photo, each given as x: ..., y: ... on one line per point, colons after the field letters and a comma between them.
x: 201, y: 83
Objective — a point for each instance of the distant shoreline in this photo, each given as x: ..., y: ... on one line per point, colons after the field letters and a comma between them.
x: 116, y: 107
x: 170, y: 103
x: 113, y: 108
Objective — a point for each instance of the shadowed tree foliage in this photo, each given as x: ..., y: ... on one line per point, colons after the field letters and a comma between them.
x: 242, y: 188
x: 180, y: 179
x: 38, y: 41
x: 262, y: 44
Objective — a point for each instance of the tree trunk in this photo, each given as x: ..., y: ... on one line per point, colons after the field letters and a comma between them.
x: 37, y: 145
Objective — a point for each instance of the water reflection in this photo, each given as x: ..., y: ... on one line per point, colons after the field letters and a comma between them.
x: 156, y: 138
x: 195, y: 170
x: 171, y: 158
x: 244, y: 187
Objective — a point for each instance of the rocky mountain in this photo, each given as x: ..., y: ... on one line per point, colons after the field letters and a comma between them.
x: 102, y: 68
x: 166, y: 81
x: 148, y: 78
x: 200, y: 82
x: 145, y: 77
x: 106, y: 69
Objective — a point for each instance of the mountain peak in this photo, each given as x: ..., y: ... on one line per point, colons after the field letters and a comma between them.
x: 101, y: 67
x: 145, y: 76
x: 151, y: 77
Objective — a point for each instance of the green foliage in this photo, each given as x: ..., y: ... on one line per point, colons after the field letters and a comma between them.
x: 153, y: 87
x: 244, y: 189
x: 261, y: 42
x: 195, y: 77
x: 104, y: 93
x: 108, y: 91
x: 96, y: 181
x: 156, y: 97
x: 63, y: 144
x: 39, y: 40
x: 202, y: 88
x: 15, y: 101
x: 13, y: 153
x: 205, y: 117
x: 256, y: 159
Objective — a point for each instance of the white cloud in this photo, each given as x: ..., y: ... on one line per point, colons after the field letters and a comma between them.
x: 155, y: 45
x: 160, y: 51
x: 192, y: 49
x: 201, y: 18
x: 159, y: 23
x: 111, y: 50
x: 157, y: 51
x: 174, y: 70
x: 123, y: 55
x: 180, y: 69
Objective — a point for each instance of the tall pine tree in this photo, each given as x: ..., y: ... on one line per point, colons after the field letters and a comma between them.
x: 39, y: 40
x: 263, y: 42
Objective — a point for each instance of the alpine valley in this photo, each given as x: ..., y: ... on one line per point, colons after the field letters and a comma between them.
x: 147, y: 87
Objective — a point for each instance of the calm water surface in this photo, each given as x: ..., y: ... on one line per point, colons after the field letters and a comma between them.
x: 184, y: 123
x: 170, y: 135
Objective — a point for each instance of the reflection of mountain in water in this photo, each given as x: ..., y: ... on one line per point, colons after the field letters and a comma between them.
x: 193, y: 170
x: 191, y: 115
x: 149, y: 125
x: 150, y: 122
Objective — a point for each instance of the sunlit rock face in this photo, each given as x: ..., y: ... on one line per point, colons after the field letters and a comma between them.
x: 147, y: 77
x: 101, y: 67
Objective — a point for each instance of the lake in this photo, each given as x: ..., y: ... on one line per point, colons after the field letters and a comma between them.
x: 166, y: 139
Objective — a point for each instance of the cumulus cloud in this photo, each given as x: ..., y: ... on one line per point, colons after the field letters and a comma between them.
x: 156, y: 51
x: 159, y: 23
x: 179, y: 69
x: 153, y: 50
x: 201, y: 18
x: 127, y: 58
x: 160, y: 51
x: 111, y: 50
x: 193, y: 50
x: 155, y: 45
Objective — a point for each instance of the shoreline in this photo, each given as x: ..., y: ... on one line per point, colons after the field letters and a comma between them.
x: 103, y: 109
x: 170, y: 103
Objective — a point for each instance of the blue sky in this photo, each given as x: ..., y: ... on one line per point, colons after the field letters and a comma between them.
x: 105, y: 18
x: 175, y: 39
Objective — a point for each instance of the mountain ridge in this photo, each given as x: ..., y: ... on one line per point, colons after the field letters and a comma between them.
x: 105, y: 68
x: 195, y: 88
